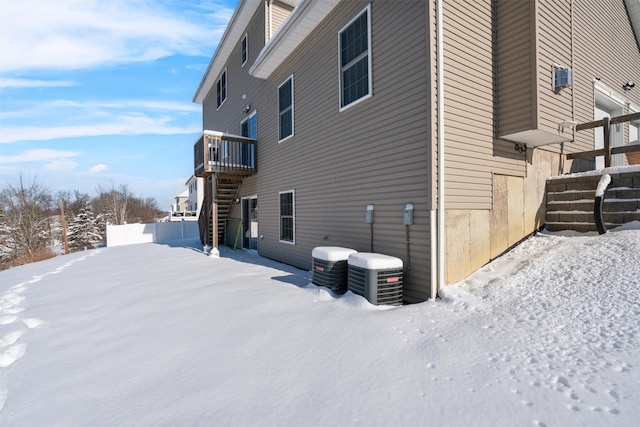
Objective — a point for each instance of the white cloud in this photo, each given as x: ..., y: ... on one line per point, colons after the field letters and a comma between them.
x: 100, y: 168
x: 61, y: 165
x: 128, y: 126
x: 89, y: 111
x: 43, y: 154
x: 23, y: 83
x: 76, y: 34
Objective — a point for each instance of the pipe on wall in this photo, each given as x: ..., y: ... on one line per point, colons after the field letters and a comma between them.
x: 435, y: 287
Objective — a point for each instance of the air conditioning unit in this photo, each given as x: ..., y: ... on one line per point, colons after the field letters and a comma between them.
x: 330, y: 267
x: 376, y: 277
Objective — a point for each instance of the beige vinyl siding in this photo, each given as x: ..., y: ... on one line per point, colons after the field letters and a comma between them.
x: 376, y: 152
x: 604, y: 47
x: 468, y: 104
x: 554, y: 47
x: 239, y: 83
x: 279, y: 13
x: 473, y: 154
x: 516, y: 83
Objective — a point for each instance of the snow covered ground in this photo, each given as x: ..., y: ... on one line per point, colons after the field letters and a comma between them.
x: 154, y: 334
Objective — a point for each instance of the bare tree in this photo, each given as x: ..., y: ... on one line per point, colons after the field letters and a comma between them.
x: 120, y: 205
x: 113, y: 203
x: 27, y: 210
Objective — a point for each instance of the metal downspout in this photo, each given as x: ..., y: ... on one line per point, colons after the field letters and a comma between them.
x: 435, y: 287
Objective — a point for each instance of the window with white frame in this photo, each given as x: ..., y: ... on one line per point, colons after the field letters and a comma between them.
x: 287, y: 216
x: 249, y: 129
x: 285, y: 109
x: 355, y: 59
x: 245, y: 49
x: 249, y: 126
x: 221, y: 88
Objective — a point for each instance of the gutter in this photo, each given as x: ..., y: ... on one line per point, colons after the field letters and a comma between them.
x: 440, y: 262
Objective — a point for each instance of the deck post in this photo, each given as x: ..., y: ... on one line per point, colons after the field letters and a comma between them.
x: 214, y: 221
x: 607, y: 141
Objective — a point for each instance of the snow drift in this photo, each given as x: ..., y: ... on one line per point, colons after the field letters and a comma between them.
x: 162, y: 334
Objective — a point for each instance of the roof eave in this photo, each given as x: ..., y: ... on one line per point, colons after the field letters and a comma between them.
x: 235, y: 29
x: 294, y: 30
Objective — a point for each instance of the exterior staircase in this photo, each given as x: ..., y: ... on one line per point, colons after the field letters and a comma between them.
x: 570, y: 200
x: 227, y: 188
x: 224, y: 161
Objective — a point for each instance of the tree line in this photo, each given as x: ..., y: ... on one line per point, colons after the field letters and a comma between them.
x: 31, y: 221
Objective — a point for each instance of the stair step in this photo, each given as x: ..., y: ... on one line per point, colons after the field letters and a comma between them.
x: 570, y: 201
x: 610, y: 205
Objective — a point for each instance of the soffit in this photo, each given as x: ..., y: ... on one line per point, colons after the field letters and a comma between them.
x: 307, y: 15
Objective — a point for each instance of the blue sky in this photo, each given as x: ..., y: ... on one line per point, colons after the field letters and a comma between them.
x: 96, y: 93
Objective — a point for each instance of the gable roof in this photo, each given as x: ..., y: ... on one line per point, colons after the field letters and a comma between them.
x: 633, y: 9
x: 235, y: 30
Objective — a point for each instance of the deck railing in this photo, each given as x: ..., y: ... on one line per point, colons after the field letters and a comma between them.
x: 607, y: 151
x: 217, y: 152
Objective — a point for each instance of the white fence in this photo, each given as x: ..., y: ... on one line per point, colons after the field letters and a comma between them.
x: 158, y: 232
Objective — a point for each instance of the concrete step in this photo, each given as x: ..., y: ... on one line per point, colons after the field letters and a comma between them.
x: 570, y: 201
x: 576, y: 216
x: 586, y: 205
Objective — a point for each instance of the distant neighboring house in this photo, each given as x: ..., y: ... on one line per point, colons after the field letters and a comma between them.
x: 181, y: 209
x: 195, y: 187
x: 455, y: 111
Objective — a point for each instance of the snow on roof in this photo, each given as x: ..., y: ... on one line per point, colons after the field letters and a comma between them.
x: 373, y: 261
x: 332, y: 253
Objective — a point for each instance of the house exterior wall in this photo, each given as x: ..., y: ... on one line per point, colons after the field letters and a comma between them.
x: 242, y: 89
x: 553, y: 47
x: 515, y: 66
x: 495, y: 201
x: 473, y: 154
x: 376, y: 152
x: 498, y: 58
x: 279, y: 13
x: 602, y: 37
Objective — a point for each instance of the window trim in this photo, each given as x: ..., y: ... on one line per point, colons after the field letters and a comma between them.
x: 366, y: 10
x: 292, y: 191
x: 246, y: 119
x: 244, y: 49
x: 221, y: 88
x: 280, y: 138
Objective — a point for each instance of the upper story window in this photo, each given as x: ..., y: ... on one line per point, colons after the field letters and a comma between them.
x: 245, y: 49
x: 285, y: 109
x: 355, y: 59
x: 221, y: 88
